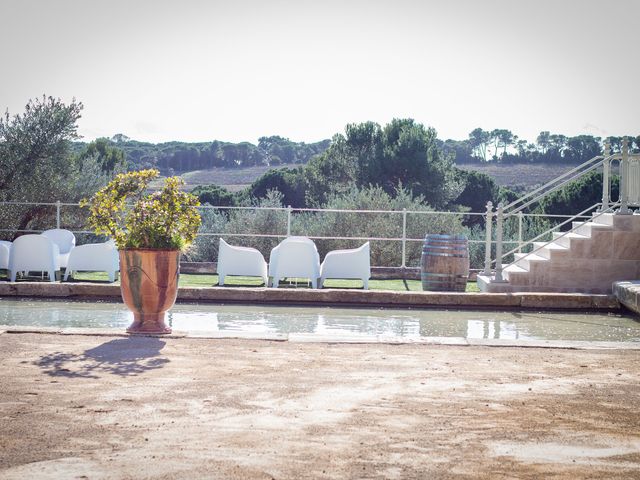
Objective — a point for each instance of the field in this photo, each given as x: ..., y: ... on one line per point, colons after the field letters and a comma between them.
x: 233, y: 179
x: 520, y: 177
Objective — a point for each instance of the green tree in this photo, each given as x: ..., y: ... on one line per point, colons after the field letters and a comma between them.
x: 120, y: 138
x: 402, y: 153
x: 214, y: 195
x: 459, y: 150
x: 557, y: 145
x: 479, y: 189
x: 581, y: 148
x: 578, y: 195
x: 501, y: 138
x: 102, y: 151
x: 479, y: 141
x: 544, y: 141
x: 36, y: 160
x: 290, y: 182
x: 35, y: 148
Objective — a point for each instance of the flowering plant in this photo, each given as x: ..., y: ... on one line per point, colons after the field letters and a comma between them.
x: 166, y: 219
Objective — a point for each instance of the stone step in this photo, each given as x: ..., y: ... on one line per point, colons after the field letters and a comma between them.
x: 585, y: 228
x: 515, y: 275
x: 564, y: 239
x: 550, y: 250
x: 605, y: 218
x: 523, y: 260
x: 486, y: 284
x: 586, y: 260
x: 509, y: 270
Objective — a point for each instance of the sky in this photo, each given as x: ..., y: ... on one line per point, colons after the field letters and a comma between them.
x: 236, y: 70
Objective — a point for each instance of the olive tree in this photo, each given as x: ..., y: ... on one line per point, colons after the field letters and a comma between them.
x: 37, y: 162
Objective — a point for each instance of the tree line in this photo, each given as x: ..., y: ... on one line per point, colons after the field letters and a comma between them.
x: 503, y: 146
x: 498, y: 145
x: 178, y: 157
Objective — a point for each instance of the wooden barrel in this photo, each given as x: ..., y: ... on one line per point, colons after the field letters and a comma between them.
x: 445, y: 263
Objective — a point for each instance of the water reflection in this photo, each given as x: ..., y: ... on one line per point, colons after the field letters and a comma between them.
x: 492, y: 329
x: 63, y: 314
x: 335, y: 321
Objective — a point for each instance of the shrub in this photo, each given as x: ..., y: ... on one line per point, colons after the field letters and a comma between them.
x: 166, y: 219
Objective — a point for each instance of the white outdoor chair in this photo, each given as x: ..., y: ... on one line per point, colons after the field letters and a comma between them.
x: 243, y: 261
x: 94, y: 257
x: 352, y: 263
x: 5, y: 251
x: 34, y: 253
x: 295, y: 257
x: 65, y: 240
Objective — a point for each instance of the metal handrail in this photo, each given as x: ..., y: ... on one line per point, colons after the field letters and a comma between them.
x: 564, y: 234
x: 556, y: 227
x: 557, y: 187
x: 597, y: 160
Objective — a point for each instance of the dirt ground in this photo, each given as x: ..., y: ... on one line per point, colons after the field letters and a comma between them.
x: 93, y: 407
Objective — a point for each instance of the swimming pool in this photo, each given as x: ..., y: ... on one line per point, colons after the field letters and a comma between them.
x: 326, y: 321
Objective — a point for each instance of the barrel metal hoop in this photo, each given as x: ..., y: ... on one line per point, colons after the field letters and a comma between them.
x: 443, y: 275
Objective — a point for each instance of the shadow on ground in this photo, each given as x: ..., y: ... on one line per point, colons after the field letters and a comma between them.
x: 123, y: 357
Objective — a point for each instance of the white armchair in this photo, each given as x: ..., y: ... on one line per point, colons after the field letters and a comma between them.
x: 5, y: 251
x: 240, y: 261
x: 295, y: 257
x: 352, y: 263
x: 65, y: 240
x: 34, y: 253
x: 95, y: 257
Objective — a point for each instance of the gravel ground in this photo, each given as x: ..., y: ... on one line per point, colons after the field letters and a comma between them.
x: 97, y: 407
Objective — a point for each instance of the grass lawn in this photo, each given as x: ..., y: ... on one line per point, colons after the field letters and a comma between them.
x: 204, y: 280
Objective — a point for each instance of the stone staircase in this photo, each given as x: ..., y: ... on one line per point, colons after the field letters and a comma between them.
x: 589, y: 259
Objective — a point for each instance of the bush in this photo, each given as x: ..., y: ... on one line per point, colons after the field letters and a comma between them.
x: 265, y: 222
x: 166, y: 219
x: 367, y: 225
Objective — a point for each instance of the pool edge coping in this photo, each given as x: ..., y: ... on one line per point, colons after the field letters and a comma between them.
x: 307, y: 338
x: 329, y: 297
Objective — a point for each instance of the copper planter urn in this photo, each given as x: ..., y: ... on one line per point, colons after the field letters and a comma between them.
x: 149, y: 286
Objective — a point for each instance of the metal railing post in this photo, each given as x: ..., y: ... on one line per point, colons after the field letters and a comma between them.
x: 520, y: 218
x: 624, y: 179
x: 289, y: 221
x: 404, y: 238
x: 487, y: 245
x: 606, y: 167
x: 499, y: 220
x: 57, y: 213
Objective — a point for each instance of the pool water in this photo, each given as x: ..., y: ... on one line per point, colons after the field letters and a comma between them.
x: 326, y: 321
